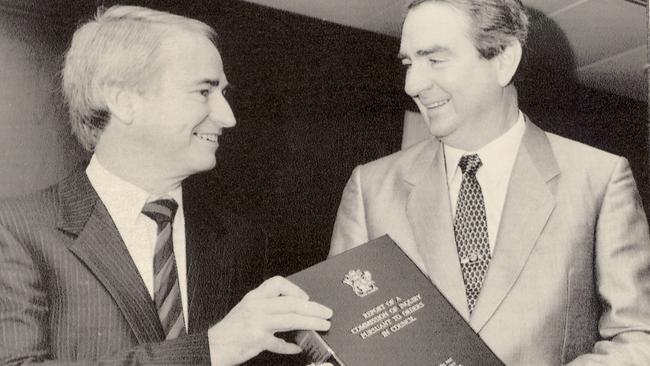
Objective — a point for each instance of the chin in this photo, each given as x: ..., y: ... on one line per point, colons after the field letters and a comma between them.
x: 204, y: 165
x: 210, y: 166
x: 440, y: 131
x: 441, y: 127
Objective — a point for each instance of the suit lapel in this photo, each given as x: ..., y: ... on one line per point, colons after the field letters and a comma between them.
x: 429, y: 213
x: 98, y: 244
x: 528, y: 205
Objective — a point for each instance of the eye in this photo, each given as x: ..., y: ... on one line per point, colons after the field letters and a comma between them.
x: 435, y: 61
x: 204, y: 92
x: 230, y: 92
x: 225, y: 91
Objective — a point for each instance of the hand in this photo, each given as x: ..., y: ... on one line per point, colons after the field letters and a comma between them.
x: 277, y: 305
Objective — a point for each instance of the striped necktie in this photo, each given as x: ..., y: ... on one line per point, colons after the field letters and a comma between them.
x: 470, y: 229
x: 167, y: 294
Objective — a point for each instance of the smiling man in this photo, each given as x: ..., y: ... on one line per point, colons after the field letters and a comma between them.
x: 114, y: 265
x: 541, y: 243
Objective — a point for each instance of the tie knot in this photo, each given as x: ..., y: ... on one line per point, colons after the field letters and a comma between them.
x: 469, y: 164
x: 161, y: 211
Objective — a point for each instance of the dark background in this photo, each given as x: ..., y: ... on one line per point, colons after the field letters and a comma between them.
x: 314, y: 99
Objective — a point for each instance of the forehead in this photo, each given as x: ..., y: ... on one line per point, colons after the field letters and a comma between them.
x: 435, y: 25
x: 186, y: 57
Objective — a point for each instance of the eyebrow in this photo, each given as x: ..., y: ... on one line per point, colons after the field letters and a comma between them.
x: 425, y: 52
x: 212, y: 82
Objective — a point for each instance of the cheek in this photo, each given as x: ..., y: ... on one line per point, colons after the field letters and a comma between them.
x: 179, y: 126
x: 454, y: 79
x: 473, y: 87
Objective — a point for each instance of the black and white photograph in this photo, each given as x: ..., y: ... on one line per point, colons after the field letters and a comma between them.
x: 336, y: 183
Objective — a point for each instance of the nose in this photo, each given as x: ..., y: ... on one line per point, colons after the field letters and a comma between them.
x: 416, y: 80
x: 220, y: 111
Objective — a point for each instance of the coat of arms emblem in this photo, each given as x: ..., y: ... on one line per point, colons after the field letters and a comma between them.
x: 361, y: 282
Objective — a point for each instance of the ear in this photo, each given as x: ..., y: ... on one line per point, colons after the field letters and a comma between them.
x: 120, y: 103
x: 507, y: 62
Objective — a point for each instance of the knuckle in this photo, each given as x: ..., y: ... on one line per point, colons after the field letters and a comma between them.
x: 251, y: 304
x: 275, y: 280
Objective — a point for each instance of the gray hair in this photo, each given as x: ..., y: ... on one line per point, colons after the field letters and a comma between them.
x: 119, y: 47
x: 495, y: 23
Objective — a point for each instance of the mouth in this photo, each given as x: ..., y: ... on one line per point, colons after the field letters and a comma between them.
x: 437, y: 104
x: 210, y: 137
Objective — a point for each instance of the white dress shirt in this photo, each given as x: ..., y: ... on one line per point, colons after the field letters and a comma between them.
x: 498, y: 158
x: 124, y: 202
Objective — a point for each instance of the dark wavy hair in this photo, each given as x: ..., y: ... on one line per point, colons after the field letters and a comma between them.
x: 494, y: 22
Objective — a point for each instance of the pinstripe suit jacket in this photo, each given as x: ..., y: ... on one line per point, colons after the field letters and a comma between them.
x: 569, y: 279
x: 69, y: 291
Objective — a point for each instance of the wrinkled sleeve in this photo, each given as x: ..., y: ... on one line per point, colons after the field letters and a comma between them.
x: 350, y: 226
x: 622, y: 260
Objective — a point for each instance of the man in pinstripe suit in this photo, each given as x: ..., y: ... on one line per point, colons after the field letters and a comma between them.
x: 80, y: 280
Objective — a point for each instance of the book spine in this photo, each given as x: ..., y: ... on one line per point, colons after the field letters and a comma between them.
x: 315, y: 348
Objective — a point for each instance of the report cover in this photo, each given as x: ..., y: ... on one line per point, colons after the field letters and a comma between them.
x: 386, y: 312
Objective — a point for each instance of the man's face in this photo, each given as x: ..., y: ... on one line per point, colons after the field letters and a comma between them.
x: 454, y: 88
x: 179, y: 118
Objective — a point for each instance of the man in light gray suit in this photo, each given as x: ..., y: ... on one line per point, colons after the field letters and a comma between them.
x: 123, y: 262
x: 541, y: 243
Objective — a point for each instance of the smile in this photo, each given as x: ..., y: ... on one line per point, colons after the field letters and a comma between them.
x: 437, y: 104
x: 211, y: 137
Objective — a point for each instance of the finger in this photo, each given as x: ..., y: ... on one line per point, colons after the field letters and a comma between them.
x: 286, y: 322
x: 283, y: 347
x: 290, y: 304
x: 277, y: 286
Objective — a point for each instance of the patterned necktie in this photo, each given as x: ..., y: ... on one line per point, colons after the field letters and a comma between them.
x: 470, y: 229
x: 167, y: 294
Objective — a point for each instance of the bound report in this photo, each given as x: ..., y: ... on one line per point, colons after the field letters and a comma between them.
x: 386, y: 312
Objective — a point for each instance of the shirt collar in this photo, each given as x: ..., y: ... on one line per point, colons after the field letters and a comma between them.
x: 498, y: 156
x: 123, y: 200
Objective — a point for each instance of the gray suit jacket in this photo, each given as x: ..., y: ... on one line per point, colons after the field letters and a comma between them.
x: 570, y: 275
x: 69, y: 291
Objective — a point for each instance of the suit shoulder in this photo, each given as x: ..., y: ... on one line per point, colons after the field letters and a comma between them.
x: 579, y: 162
x: 398, y: 160
x: 577, y: 154
x: 37, y: 208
